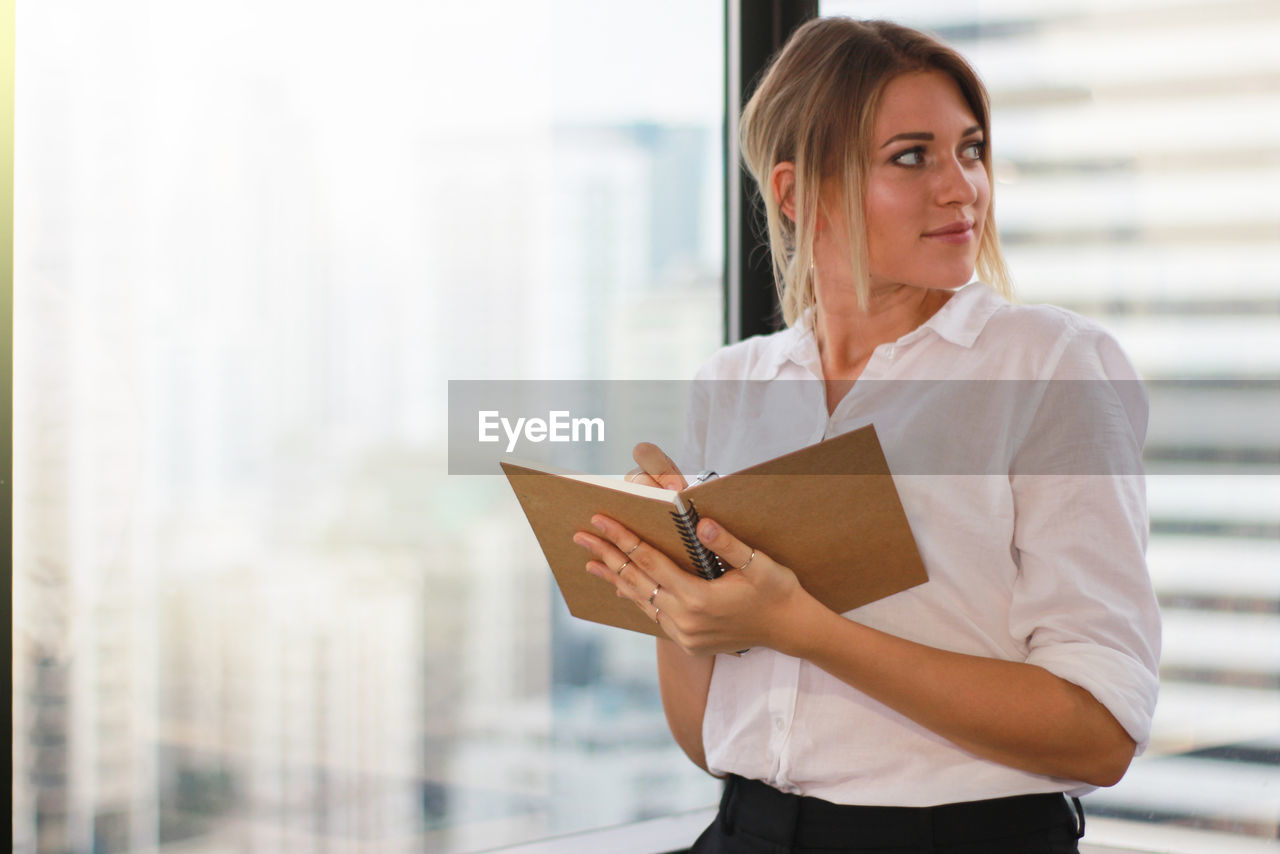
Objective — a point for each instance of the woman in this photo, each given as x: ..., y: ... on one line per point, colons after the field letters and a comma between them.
x: 953, y: 716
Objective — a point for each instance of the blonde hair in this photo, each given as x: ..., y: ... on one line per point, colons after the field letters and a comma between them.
x: 815, y: 107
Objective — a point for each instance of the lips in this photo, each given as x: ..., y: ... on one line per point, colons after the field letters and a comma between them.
x: 964, y: 225
x: 956, y: 234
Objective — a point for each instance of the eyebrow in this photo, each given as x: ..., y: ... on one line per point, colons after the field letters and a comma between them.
x: 927, y: 137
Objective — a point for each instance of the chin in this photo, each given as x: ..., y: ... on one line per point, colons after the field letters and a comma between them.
x: 959, y: 279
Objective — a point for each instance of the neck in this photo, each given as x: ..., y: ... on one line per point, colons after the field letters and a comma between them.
x: 847, y: 333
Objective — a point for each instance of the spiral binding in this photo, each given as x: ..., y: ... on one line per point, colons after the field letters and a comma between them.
x: 706, y: 561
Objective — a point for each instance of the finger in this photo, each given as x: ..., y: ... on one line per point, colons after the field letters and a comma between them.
x: 606, y: 554
x: 734, y: 553
x: 611, y: 565
x: 652, y: 565
x: 641, y: 477
x: 644, y: 593
x: 629, y: 588
x: 658, y: 466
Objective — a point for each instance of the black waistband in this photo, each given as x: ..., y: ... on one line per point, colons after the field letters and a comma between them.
x: 763, y: 811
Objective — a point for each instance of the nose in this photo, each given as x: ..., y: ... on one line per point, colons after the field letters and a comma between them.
x: 957, y: 183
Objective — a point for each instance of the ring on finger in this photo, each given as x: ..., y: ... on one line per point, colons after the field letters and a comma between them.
x: 654, y: 593
x: 633, y: 548
x: 753, y: 557
x: 656, y: 612
x: 624, y: 566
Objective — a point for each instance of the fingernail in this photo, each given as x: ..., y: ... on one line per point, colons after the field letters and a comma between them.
x: 595, y: 524
x: 708, y: 531
x: 581, y: 540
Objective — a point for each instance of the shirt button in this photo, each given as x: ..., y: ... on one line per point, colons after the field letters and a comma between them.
x: 779, y: 724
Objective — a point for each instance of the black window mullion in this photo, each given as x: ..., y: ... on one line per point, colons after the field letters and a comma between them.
x: 754, y: 31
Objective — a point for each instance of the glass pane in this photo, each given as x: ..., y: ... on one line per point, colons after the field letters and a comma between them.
x: 254, y: 243
x: 1135, y: 145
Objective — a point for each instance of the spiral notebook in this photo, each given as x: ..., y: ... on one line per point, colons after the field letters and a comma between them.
x: 829, y: 511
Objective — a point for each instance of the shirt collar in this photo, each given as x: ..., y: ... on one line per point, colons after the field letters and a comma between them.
x: 965, y: 315
x: 960, y: 322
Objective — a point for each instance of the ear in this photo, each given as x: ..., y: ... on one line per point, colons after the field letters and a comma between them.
x: 782, y: 180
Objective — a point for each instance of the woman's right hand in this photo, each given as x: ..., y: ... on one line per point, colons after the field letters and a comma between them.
x: 655, y: 468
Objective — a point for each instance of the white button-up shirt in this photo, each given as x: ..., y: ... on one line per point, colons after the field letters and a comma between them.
x: 1014, y: 434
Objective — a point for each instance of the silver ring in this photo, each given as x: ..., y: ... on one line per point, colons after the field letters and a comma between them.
x: 624, y: 566
x: 753, y: 557
x: 654, y: 593
x: 633, y: 548
x: 656, y: 612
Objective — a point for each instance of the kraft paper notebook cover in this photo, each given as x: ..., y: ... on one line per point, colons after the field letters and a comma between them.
x: 830, y: 512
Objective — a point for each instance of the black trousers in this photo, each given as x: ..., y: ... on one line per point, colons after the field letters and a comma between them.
x: 757, y: 819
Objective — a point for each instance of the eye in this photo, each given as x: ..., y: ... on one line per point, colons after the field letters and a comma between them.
x: 975, y: 149
x: 910, y: 157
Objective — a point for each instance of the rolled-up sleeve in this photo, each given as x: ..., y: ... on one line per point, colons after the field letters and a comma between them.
x: 1083, y: 598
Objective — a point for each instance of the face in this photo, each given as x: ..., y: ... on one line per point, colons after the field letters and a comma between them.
x: 927, y: 191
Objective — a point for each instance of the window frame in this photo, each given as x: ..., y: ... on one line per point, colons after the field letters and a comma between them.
x: 754, y: 31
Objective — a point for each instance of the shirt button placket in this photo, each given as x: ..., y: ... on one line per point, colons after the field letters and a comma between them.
x: 782, y: 709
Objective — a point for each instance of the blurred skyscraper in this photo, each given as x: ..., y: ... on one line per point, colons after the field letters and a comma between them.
x: 254, y: 613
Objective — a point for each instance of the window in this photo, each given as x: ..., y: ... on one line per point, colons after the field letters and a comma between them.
x: 254, y: 611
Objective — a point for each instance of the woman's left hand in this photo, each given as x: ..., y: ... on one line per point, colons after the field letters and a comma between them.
x: 758, y: 602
